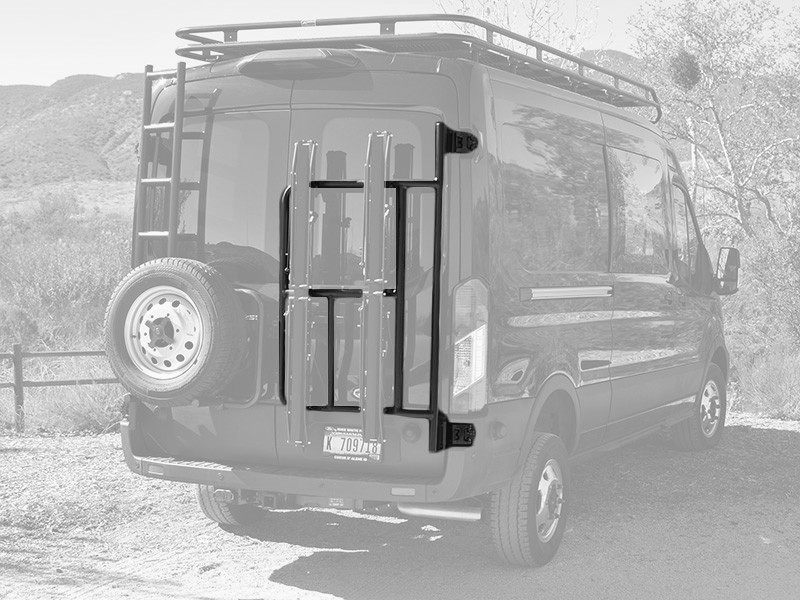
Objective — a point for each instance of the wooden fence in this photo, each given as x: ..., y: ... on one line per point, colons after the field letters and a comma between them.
x: 17, y: 358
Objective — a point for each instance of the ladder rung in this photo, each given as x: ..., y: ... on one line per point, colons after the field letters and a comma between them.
x: 156, y: 127
x: 162, y: 74
x: 164, y: 234
x: 184, y: 185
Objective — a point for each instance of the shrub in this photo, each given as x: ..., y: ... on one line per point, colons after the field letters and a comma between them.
x: 59, y: 266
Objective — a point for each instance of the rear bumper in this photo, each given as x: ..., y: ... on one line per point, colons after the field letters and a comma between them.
x: 461, y: 478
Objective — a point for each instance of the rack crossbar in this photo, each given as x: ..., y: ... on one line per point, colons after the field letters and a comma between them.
x: 539, y: 61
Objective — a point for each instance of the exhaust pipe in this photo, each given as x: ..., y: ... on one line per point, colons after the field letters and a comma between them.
x: 452, y: 511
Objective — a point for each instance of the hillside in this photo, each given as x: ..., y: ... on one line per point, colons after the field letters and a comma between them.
x: 81, y: 128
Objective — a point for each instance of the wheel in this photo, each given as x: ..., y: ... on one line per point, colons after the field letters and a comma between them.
x: 227, y: 513
x: 175, y: 331
x: 528, y: 516
x: 704, y: 428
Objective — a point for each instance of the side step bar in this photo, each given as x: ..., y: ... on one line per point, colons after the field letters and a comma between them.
x: 453, y: 511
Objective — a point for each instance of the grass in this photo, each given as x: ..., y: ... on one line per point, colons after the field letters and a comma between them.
x: 64, y: 410
x: 59, y: 264
x: 770, y: 385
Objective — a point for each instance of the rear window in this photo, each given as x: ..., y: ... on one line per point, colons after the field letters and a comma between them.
x: 224, y: 196
x: 556, y: 204
x: 338, y: 229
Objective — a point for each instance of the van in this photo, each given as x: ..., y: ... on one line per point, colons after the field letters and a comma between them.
x: 415, y: 270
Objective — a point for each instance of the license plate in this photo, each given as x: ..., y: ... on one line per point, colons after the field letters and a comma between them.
x: 347, y: 443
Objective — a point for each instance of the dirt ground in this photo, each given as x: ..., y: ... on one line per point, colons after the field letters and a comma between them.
x: 647, y: 521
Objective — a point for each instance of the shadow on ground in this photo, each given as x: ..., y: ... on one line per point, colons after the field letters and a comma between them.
x: 646, y: 521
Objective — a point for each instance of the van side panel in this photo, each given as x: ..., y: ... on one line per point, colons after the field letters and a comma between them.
x: 645, y: 364
x: 551, y: 289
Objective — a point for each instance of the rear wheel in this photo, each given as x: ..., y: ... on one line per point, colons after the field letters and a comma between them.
x: 704, y: 428
x: 227, y: 513
x: 528, y: 516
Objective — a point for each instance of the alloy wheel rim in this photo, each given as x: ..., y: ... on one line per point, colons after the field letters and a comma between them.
x: 710, y: 409
x: 550, y: 500
x: 163, y: 332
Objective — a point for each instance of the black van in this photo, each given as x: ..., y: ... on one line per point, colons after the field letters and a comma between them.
x: 411, y: 269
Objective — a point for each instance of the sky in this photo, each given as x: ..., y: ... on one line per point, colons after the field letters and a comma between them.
x: 51, y: 39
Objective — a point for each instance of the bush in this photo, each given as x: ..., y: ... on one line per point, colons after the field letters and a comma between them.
x: 16, y: 325
x: 770, y: 384
x: 58, y: 268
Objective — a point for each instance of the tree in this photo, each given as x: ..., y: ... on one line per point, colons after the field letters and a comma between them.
x: 729, y: 74
x: 546, y: 21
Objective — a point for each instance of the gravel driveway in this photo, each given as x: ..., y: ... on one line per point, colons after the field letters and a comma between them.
x: 647, y: 522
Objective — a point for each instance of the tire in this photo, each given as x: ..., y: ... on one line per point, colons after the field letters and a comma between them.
x: 521, y: 537
x: 227, y: 513
x: 175, y: 331
x: 242, y: 263
x: 704, y: 428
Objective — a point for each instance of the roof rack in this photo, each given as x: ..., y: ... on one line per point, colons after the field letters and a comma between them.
x: 545, y: 63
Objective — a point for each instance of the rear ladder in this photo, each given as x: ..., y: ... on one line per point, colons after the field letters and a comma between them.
x: 151, y: 144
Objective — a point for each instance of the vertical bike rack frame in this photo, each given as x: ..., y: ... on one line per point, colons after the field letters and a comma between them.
x: 295, y: 290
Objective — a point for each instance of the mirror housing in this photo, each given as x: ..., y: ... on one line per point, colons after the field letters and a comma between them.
x: 726, y: 278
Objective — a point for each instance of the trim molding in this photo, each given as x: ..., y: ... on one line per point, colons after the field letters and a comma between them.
x: 566, y: 292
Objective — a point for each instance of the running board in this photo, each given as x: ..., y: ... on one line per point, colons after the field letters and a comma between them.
x: 453, y: 511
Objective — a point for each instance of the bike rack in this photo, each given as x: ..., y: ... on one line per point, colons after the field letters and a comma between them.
x: 296, y: 291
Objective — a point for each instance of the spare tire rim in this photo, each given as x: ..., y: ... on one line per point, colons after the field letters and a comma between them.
x: 163, y: 332
x: 550, y: 500
x: 710, y: 408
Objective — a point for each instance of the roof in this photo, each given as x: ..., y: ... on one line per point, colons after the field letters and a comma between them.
x: 535, y: 61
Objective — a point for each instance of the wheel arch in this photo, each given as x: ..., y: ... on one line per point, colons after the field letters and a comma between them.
x: 721, y: 358
x: 557, y: 393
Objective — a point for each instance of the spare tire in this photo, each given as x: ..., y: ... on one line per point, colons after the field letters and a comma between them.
x: 175, y: 332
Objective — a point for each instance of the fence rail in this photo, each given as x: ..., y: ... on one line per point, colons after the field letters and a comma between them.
x: 17, y: 357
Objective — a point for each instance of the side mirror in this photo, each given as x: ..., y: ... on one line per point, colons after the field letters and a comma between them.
x: 726, y: 279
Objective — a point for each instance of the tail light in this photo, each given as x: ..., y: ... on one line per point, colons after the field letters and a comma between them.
x: 470, y: 350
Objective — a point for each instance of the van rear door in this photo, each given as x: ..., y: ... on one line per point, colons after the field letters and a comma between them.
x: 345, y: 247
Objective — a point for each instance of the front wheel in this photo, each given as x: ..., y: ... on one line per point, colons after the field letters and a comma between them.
x: 529, y: 514
x: 704, y: 429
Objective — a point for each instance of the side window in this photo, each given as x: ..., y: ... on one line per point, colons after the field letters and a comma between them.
x: 685, y: 253
x: 637, y: 200
x: 556, y: 204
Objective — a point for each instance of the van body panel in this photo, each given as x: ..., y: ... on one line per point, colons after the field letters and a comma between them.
x: 209, y: 433
x: 557, y: 316
x: 645, y: 360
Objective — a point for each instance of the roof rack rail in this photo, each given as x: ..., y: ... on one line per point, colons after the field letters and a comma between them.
x: 545, y: 64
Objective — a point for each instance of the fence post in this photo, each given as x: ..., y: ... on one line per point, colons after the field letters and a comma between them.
x: 19, y: 390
